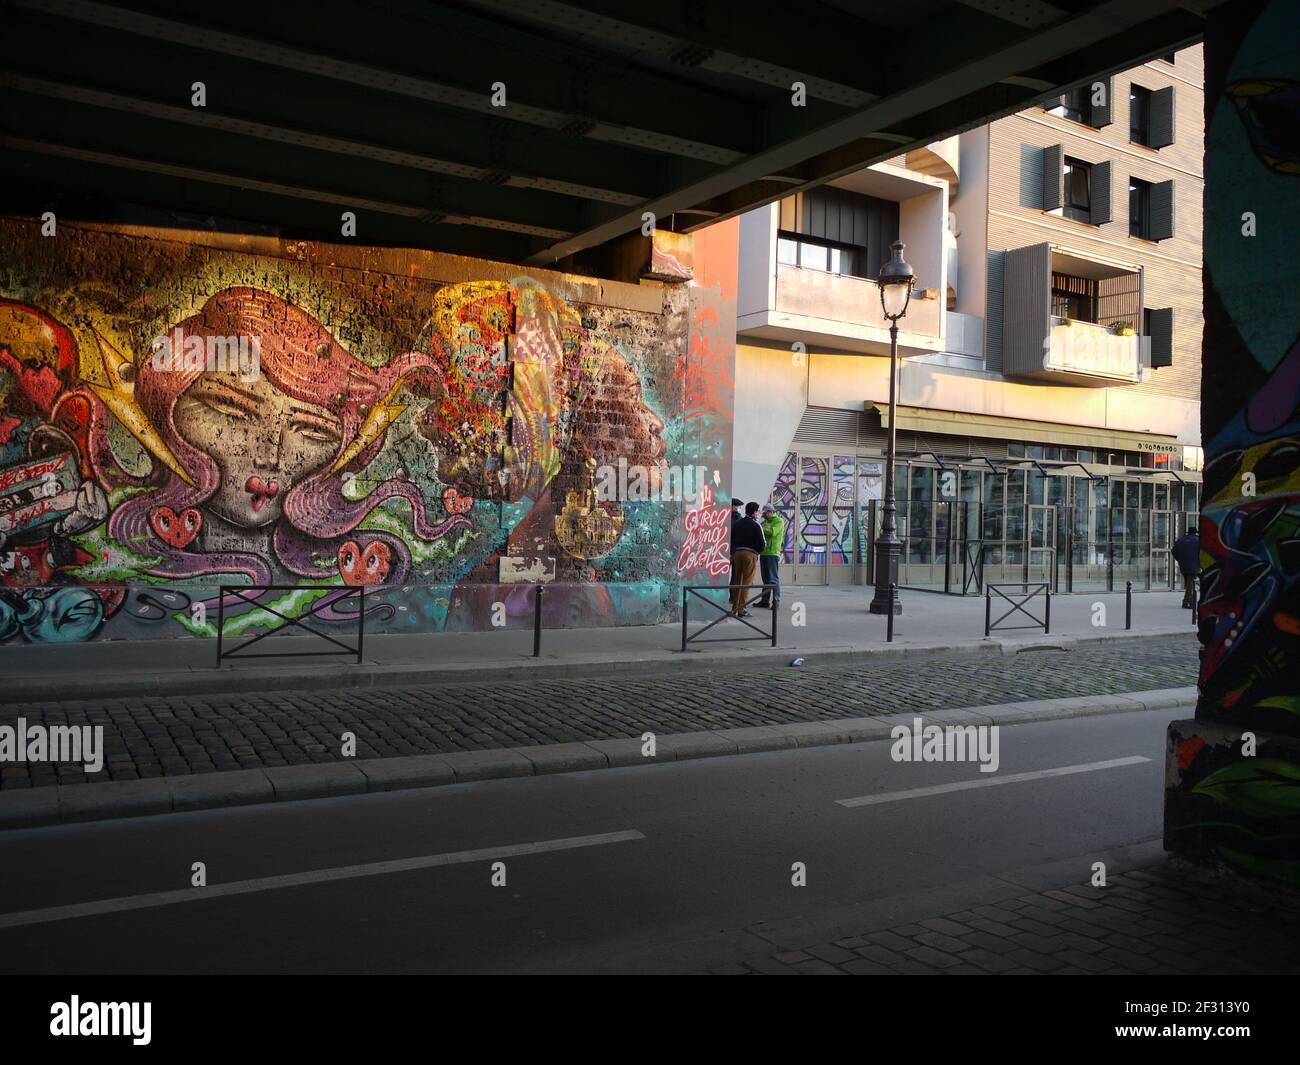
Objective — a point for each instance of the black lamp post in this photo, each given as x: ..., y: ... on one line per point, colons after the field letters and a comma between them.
x: 895, y: 281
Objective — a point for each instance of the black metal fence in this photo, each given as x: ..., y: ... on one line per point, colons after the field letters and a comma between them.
x: 245, y: 593
x: 690, y: 591
x: 1029, y: 592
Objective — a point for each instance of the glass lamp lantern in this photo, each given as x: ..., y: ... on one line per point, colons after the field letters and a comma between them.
x: 895, y: 280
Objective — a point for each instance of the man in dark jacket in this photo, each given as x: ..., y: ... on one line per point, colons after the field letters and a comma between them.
x: 1187, y: 553
x: 746, y: 545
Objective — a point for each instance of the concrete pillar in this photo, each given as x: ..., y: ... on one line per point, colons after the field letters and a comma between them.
x: 1233, y: 773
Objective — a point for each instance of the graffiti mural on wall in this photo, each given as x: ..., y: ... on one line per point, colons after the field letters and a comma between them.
x: 445, y: 456
x: 1230, y: 804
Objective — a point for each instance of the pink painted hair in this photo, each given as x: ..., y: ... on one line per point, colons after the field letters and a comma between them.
x: 300, y: 358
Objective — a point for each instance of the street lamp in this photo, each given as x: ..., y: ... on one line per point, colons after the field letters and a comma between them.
x: 895, y: 281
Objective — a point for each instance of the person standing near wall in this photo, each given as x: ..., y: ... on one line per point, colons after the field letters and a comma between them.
x: 770, y: 560
x: 746, y: 546
x: 1187, y: 553
x: 736, y: 514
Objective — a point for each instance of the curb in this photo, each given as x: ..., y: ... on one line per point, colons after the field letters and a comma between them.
x: 58, y: 688
x: 69, y: 804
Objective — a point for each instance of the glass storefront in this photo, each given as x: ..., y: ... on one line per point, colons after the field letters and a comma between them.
x: 962, y: 523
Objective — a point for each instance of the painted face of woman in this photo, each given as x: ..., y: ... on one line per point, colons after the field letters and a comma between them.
x: 263, y: 441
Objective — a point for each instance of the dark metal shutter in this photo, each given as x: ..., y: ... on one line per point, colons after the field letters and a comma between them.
x: 1031, y: 176
x: 1162, y: 211
x: 845, y: 218
x: 1053, y: 177
x: 1161, y: 132
x: 814, y: 208
x: 833, y: 206
x: 1099, y: 213
x: 1026, y: 308
x: 1161, y: 323
x: 993, y: 312
x: 1101, y: 115
x: 832, y: 427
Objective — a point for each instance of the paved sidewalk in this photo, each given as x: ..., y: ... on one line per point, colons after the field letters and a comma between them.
x: 824, y: 625
x: 31, y: 804
x: 182, y: 735
x: 1169, y: 918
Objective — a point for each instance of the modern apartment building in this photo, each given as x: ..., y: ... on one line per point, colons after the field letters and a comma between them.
x: 1048, y: 418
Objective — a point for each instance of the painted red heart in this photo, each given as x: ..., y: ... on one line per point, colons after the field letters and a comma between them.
x: 176, y: 530
x: 370, y: 566
x: 455, y: 502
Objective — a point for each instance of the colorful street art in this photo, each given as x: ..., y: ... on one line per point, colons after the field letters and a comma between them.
x: 842, y: 509
x: 784, y: 499
x: 1228, y: 804
x: 813, y: 493
x: 437, y: 441
x: 821, y: 482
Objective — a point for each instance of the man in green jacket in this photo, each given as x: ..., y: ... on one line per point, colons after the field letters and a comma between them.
x: 770, y: 560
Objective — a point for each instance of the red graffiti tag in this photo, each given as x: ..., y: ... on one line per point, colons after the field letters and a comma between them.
x: 706, y: 547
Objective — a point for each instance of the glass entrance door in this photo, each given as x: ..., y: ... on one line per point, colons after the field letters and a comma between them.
x: 832, y: 510
x: 1162, y: 569
x: 1040, y: 553
x: 840, y: 531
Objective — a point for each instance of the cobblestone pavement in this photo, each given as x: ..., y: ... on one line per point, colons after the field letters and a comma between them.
x: 1167, y: 919
x: 151, y: 736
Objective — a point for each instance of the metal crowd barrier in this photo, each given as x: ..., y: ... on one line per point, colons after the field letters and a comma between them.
x: 689, y: 590
x: 1029, y: 592
x: 239, y: 592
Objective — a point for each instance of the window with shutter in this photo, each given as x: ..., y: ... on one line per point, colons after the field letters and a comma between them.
x: 1053, y: 177
x: 1161, y: 133
x: 1139, y: 115
x: 1159, y: 328
x: 1102, y: 102
x: 1139, y: 208
x: 836, y: 230
x: 1100, y: 211
x: 1162, y: 211
x: 1076, y: 179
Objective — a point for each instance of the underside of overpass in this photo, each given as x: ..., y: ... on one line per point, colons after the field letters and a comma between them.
x: 524, y: 132
x: 481, y: 399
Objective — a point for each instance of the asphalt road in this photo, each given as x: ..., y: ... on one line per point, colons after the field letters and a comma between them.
x: 696, y: 870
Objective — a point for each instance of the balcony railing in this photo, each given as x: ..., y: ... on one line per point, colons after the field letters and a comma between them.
x: 852, y: 301
x: 1092, y: 349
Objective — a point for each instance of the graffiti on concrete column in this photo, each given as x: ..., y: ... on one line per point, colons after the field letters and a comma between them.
x: 1234, y: 799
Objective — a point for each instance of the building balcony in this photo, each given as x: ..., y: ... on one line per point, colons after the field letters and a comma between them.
x: 1072, y: 319
x: 940, y: 159
x: 807, y: 267
x: 845, y: 312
